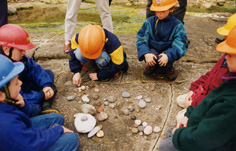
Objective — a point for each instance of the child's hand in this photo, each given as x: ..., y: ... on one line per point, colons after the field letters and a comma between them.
x: 48, y: 91
x: 77, y: 79
x: 149, y: 58
x: 188, y: 99
x: 66, y: 130
x: 20, y: 101
x: 93, y: 76
x: 163, y: 59
x: 182, y: 123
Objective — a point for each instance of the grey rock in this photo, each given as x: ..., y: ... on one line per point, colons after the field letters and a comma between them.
x: 126, y: 111
x: 125, y: 95
x: 70, y: 98
x: 142, y: 103
x: 133, y: 117
x: 84, y: 126
x: 93, y: 131
x: 134, y: 130
x: 141, y: 128
x: 111, y: 99
x: 88, y: 108
x: 131, y: 108
x: 148, y: 100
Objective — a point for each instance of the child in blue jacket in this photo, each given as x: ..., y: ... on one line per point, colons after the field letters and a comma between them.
x: 162, y: 39
x: 38, y: 84
x: 18, y: 132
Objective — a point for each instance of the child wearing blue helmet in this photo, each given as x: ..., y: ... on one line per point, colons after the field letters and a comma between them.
x: 20, y: 133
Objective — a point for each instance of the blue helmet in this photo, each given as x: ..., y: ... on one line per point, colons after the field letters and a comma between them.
x: 9, y: 70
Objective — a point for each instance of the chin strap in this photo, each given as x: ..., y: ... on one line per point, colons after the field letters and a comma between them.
x: 8, y: 100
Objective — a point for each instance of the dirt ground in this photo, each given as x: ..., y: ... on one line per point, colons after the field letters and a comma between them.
x: 200, y: 57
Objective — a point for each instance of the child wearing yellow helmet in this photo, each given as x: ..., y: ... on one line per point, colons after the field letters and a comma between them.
x: 96, y: 49
x: 211, y: 125
x: 162, y: 39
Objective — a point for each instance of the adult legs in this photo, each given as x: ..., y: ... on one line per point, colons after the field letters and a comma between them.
x: 105, y: 15
x: 167, y: 144
x: 3, y: 12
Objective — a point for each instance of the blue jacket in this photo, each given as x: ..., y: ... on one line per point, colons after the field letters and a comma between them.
x: 33, y: 74
x: 165, y: 36
x: 17, y: 133
x: 112, y: 47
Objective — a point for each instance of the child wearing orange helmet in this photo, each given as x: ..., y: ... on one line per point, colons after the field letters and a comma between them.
x: 162, y: 39
x: 38, y: 84
x: 211, y: 125
x: 97, y: 50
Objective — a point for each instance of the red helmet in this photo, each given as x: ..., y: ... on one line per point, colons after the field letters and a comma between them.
x: 15, y: 36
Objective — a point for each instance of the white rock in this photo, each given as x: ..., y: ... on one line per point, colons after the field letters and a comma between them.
x: 144, y: 124
x: 70, y: 98
x: 85, y: 98
x: 112, y: 105
x: 126, y: 111
x: 157, y: 129
x: 93, y: 132
x: 139, y: 97
x: 138, y: 122
x: 148, y: 100
x: 88, y: 109
x: 83, y: 87
x: 100, y: 133
x: 148, y: 130
x: 111, y: 99
x: 84, y: 126
x: 142, y: 103
x: 102, y: 116
x: 125, y: 95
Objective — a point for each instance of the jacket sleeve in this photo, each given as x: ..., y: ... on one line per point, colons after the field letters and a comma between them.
x: 32, y: 139
x: 179, y: 45
x: 75, y: 65
x: 206, y: 133
x: 142, y: 42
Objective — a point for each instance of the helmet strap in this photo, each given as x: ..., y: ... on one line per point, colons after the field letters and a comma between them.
x: 8, y: 99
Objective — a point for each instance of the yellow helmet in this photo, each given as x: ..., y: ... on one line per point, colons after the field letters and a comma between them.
x: 162, y: 5
x: 229, y: 45
x: 91, y: 41
x: 228, y: 26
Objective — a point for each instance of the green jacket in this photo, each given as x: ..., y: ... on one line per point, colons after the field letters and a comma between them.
x: 212, y: 124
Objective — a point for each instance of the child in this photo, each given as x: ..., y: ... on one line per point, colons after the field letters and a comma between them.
x: 200, y: 88
x: 18, y: 132
x: 97, y: 50
x: 211, y: 125
x: 38, y: 84
x: 162, y: 39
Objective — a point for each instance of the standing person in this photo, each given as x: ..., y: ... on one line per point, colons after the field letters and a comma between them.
x: 3, y: 12
x: 200, y: 88
x: 73, y: 7
x: 38, y: 87
x: 18, y: 132
x: 179, y: 12
x: 162, y: 40
x: 211, y: 125
x: 98, y: 50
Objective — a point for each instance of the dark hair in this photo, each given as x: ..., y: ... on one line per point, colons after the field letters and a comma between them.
x: 2, y: 88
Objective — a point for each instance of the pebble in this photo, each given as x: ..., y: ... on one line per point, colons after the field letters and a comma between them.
x: 106, y: 103
x: 134, y: 130
x: 148, y: 100
x: 93, y: 132
x: 105, y: 99
x: 88, y: 108
x: 140, y: 133
x: 100, y: 126
x: 139, y: 97
x: 125, y: 95
x: 79, y: 90
x: 111, y: 99
x: 148, y: 130
x: 144, y: 124
x: 102, y: 116
x: 138, y: 122
x: 95, y: 96
x: 84, y: 118
x: 141, y: 128
x: 100, y: 110
x: 96, y: 90
x: 131, y: 108
x: 142, y: 103
x: 100, y: 133
x: 133, y: 117
x: 126, y: 111
x: 79, y: 95
x: 158, y: 107
x: 83, y: 87
x: 156, y: 129
x: 136, y: 125
x: 70, y: 98
x: 112, y: 105
x: 99, y: 104
x: 85, y: 98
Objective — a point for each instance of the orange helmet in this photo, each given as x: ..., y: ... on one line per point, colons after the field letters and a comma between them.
x: 229, y: 45
x: 91, y: 41
x: 162, y: 5
x: 15, y: 36
x: 228, y: 26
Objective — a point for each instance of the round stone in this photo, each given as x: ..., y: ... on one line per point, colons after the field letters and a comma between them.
x: 88, y: 109
x: 157, y: 129
x: 96, y: 90
x: 125, y: 95
x: 111, y: 99
x: 141, y: 128
x: 131, y: 108
x: 126, y: 111
x: 142, y: 103
x: 134, y: 130
x: 84, y: 118
x: 138, y: 122
x: 84, y: 126
x: 148, y: 130
x: 148, y: 100
x: 133, y: 117
x: 70, y: 98
x: 144, y: 124
x: 100, y: 133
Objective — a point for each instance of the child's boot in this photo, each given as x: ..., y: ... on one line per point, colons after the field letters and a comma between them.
x: 47, y: 107
x: 171, y: 74
x: 149, y: 70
